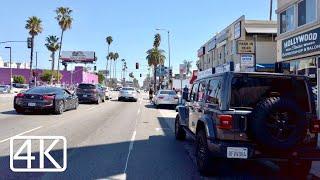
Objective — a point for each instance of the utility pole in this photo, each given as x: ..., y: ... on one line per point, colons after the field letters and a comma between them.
x: 10, y: 67
x: 35, y: 78
x: 270, y: 15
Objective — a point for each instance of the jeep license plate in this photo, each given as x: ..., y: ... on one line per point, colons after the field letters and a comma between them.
x: 237, y: 152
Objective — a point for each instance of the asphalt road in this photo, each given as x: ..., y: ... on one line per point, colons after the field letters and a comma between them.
x: 113, y: 140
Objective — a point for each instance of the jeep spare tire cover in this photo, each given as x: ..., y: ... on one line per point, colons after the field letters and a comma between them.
x: 277, y: 123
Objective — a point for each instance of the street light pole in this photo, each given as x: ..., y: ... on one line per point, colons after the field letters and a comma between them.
x: 169, y: 49
x: 10, y: 67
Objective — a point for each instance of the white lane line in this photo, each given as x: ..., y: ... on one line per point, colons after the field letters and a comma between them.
x: 21, y: 134
x: 140, y: 102
x: 92, y: 108
x: 138, y: 111
x: 129, y: 152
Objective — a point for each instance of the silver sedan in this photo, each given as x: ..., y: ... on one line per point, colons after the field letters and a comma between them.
x: 166, y: 97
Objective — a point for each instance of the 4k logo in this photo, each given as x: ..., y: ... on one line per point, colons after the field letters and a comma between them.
x: 22, y: 159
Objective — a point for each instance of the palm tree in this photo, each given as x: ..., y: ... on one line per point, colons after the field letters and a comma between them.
x: 116, y: 56
x: 65, y: 21
x: 52, y: 45
x: 155, y: 56
x: 109, y: 40
x: 188, y: 65
x: 34, y: 27
x: 122, y: 70
x: 111, y: 57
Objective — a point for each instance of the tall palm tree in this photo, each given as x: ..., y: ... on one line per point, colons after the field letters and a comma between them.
x: 52, y: 45
x: 122, y: 70
x: 109, y: 40
x: 34, y: 27
x: 111, y: 57
x: 155, y: 57
x: 115, y: 58
x: 65, y: 21
x: 188, y: 65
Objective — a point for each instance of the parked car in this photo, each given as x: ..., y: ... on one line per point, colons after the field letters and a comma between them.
x: 4, y: 89
x: 251, y: 116
x: 18, y: 88
x: 90, y: 93
x: 44, y: 98
x: 166, y: 97
x: 128, y: 93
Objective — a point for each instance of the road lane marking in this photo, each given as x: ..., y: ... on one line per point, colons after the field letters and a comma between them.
x: 92, y: 108
x: 138, y: 111
x: 130, y: 149
x: 25, y: 132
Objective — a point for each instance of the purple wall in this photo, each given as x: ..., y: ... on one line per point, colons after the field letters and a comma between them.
x: 78, y: 75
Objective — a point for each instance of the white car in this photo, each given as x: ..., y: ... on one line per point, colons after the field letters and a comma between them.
x: 166, y: 97
x: 128, y: 93
x: 4, y: 89
x: 18, y: 88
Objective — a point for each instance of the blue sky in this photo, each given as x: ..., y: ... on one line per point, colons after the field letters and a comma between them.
x: 131, y: 23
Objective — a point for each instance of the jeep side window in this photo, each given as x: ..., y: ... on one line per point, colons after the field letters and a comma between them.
x: 214, y: 92
x: 194, y: 92
x: 202, y: 89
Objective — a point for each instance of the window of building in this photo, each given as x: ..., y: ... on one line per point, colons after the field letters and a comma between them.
x: 202, y: 89
x: 306, y: 12
x: 287, y: 20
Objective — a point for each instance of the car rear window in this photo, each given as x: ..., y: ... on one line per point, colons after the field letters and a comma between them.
x: 127, y: 89
x: 44, y: 90
x: 248, y: 91
x: 168, y: 92
x: 86, y: 86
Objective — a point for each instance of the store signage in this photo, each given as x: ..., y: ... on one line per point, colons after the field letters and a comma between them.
x: 245, y: 47
x: 247, y: 60
x: 78, y: 56
x: 212, y: 44
x: 201, y: 51
x: 303, y: 43
x: 223, y: 35
x: 237, y: 30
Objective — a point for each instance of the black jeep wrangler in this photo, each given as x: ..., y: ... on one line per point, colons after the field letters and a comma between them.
x: 251, y: 116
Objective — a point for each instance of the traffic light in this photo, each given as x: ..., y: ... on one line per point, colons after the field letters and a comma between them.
x: 95, y: 68
x: 170, y: 72
x: 137, y: 65
x: 140, y: 75
x: 29, y: 42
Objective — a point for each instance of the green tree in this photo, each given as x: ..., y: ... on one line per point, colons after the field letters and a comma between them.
x: 65, y: 20
x: 52, y: 45
x: 34, y: 27
x: 135, y: 83
x: 155, y: 56
x: 109, y: 40
x: 111, y: 57
x: 115, y: 58
x: 101, y: 78
x: 19, y: 79
x: 188, y: 65
x: 47, y: 75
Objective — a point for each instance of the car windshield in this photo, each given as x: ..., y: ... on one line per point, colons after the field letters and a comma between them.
x: 43, y: 90
x: 167, y: 92
x: 86, y: 86
x: 127, y: 89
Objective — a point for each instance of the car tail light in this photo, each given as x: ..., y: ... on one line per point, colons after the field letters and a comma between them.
x: 161, y: 97
x: 315, y: 126
x: 176, y: 97
x: 225, y: 121
x: 48, y: 97
x: 20, y: 95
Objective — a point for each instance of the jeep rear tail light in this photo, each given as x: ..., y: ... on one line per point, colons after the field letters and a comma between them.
x: 48, y: 97
x: 20, y: 95
x: 161, y: 97
x: 225, y: 122
x: 315, y: 126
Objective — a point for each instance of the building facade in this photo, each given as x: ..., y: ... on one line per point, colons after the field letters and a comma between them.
x: 245, y: 42
x: 298, y: 41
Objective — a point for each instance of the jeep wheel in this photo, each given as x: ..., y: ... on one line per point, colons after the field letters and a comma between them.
x: 277, y: 123
x: 202, y: 153
x: 59, y: 107
x: 296, y: 169
x: 178, y: 130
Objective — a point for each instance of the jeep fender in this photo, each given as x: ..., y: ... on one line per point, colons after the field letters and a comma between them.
x: 206, y: 123
x: 183, y: 112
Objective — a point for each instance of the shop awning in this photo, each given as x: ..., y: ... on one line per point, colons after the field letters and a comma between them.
x: 261, y: 30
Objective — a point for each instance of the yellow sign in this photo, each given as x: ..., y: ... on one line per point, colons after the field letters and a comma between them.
x: 245, y: 47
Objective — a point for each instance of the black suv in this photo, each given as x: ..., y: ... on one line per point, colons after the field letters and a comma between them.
x: 235, y: 115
